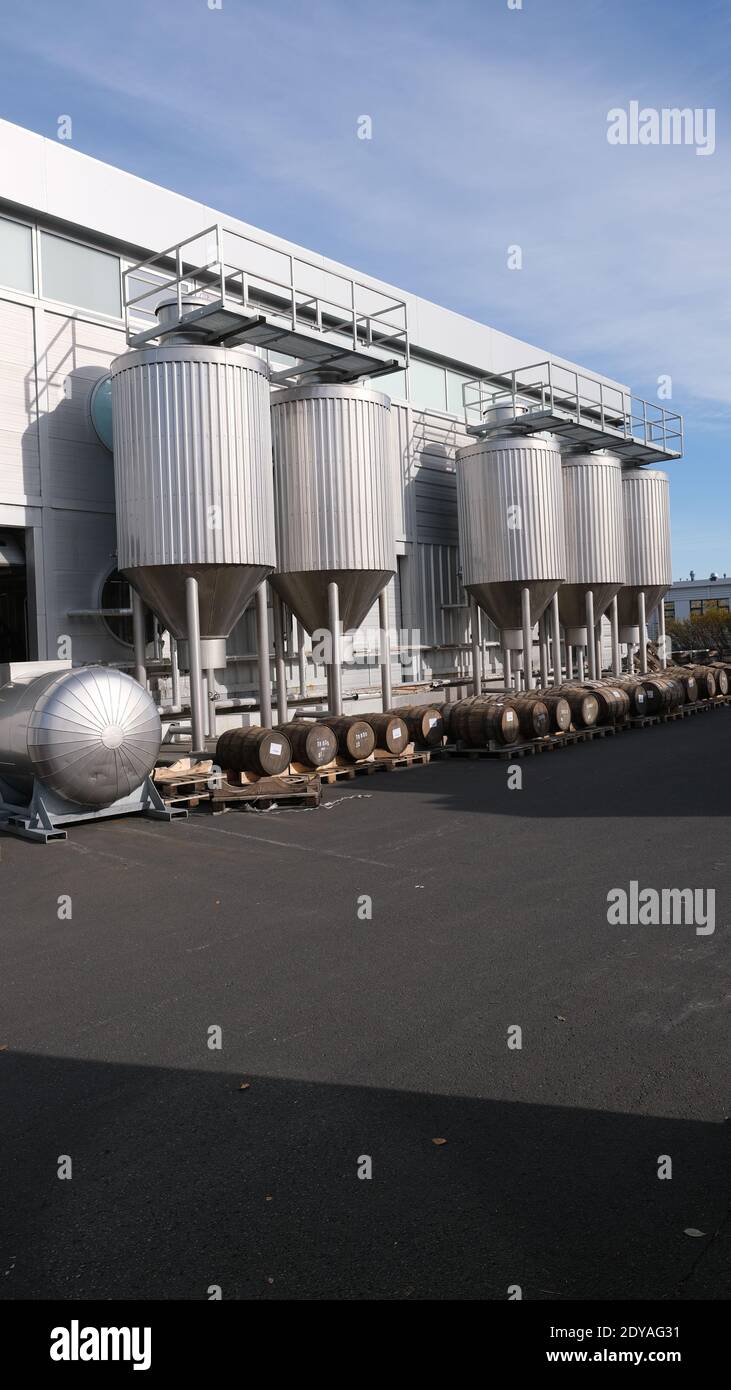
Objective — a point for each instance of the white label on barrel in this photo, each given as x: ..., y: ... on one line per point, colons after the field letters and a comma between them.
x: 432, y: 722
x: 397, y: 732
x: 275, y: 748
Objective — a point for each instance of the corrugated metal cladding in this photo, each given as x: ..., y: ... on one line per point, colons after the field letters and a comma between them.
x: 192, y: 458
x: 333, y: 458
x: 434, y: 443
x: 499, y: 544
x: 594, y: 521
x: 646, y: 493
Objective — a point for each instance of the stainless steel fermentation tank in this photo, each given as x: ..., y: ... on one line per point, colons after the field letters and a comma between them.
x: 74, y: 744
x: 194, y: 491
x: 511, y: 531
x: 646, y: 505
x: 595, y: 551
x: 334, y: 514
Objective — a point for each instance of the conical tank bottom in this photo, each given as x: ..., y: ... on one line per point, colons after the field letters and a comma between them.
x: 627, y: 602
x: 223, y: 593
x: 502, y: 601
x: 572, y: 602
x: 305, y: 593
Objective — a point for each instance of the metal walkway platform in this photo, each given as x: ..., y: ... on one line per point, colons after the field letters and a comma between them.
x: 237, y: 291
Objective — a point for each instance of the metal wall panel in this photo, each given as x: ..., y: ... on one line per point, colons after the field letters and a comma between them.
x: 20, y: 475
x: 77, y: 354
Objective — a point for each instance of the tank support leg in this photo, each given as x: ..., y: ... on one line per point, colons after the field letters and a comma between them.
x: 302, y: 659
x: 197, y: 708
x: 556, y: 624
x: 333, y: 617
x: 385, y: 646
x: 616, y: 654
x: 262, y: 649
x: 175, y: 674
x: 661, y: 633
x: 590, y: 644
x: 138, y: 637
x: 279, y: 659
x: 527, y: 639
x: 643, y: 631
x: 476, y: 653
x: 543, y: 640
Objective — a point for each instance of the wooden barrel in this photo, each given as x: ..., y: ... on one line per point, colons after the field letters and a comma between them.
x: 635, y: 691
x: 356, y: 739
x: 706, y: 682
x: 484, y: 719
x: 446, y: 713
x: 312, y: 744
x: 688, y: 682
x: 720, y: 675
x: 424, y: 723
x: 533, y: 717
x: 559, y: 711
x: 265, y: 751
x: 391, y: 731
x: 584, y: 705
x: 663, y: 693
x: 614, y: 702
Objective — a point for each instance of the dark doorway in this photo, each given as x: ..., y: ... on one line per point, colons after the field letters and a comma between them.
x: 13, y: 596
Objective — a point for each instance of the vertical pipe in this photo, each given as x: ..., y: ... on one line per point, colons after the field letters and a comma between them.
x: 279, y: 665
x: 156, y: 644
x: 527, y: 639
x: 302, y: 659
x: 507, y: 669
x: 580, y: 655
x: 543, y: 640
x: 211, y: 693
x: 385, y: 648
x: 333, y: 618
x: 197, y: 724
x: 138, y: 637
x: 643, y: 631
x: 616, y: 655
x: 569, y: 662
x: 174, y: 673
x: 661, y: 633
x: 598, y: 646
x: 262, y: 651
x: 590, y: 643
x: 475, y: 638
x: 556, y: 624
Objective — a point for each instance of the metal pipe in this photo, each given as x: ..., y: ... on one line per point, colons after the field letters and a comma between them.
x: 279, y: 665
x: 197, y: 722
x: 507, y: 669
x: 543, y: 647
x: 156, y: 643
x: 598, y: 648
x: 556, y: 624
x: 211, y: 693
x: 527, y: 639
x: 661, y: 633
x: 580, y: 655
x: 386, y: 699
x: 262, y: 656
x: 590, y: 644
x: 174, y: 673
x: 475, y: 639
x: 643, y: 631
x: 138, y: 638
x: 616, y: 654
x: 302, y: 659
x: 333, y: 618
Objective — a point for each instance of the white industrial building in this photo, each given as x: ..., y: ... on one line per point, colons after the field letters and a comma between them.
x: 70, y: 227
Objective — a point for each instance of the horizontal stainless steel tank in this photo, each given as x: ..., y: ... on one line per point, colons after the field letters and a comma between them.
x: 511, y: 530
x: 193, y: 474
x: 594, y: 531
x: 333, y: 499
x: 91, y: 735
x: 646, y: 506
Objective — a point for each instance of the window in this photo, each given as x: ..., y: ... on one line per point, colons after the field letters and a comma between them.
x: 696, y: 606
x: 455, y: 403
x: 79, y: 275
x: 704, y: 605
x: 16, y: 256
x: 392, y: 383
x: 669, y: 611
x: 427, y: 385
x: 723, y: 604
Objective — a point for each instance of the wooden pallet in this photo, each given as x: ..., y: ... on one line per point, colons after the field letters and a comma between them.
x: 185, y: 782
x: 380, y: 761
x: 267, y: 791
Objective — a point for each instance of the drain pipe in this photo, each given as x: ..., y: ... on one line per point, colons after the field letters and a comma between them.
x: 386, y: 698
x: 197, y: 722
x: 507, y: 669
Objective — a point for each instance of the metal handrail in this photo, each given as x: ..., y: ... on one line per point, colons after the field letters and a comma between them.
x: 219, y: 274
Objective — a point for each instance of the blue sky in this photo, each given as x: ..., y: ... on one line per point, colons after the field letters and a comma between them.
x: 489, y: 130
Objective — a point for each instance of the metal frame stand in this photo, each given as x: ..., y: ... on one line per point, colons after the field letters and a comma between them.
x: 46, y: 813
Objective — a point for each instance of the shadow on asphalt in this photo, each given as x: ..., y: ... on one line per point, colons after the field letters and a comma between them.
x: 182, y: 1181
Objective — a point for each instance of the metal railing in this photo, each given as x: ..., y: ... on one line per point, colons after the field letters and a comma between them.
x: 549, y: 389
x: 226, y: 275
